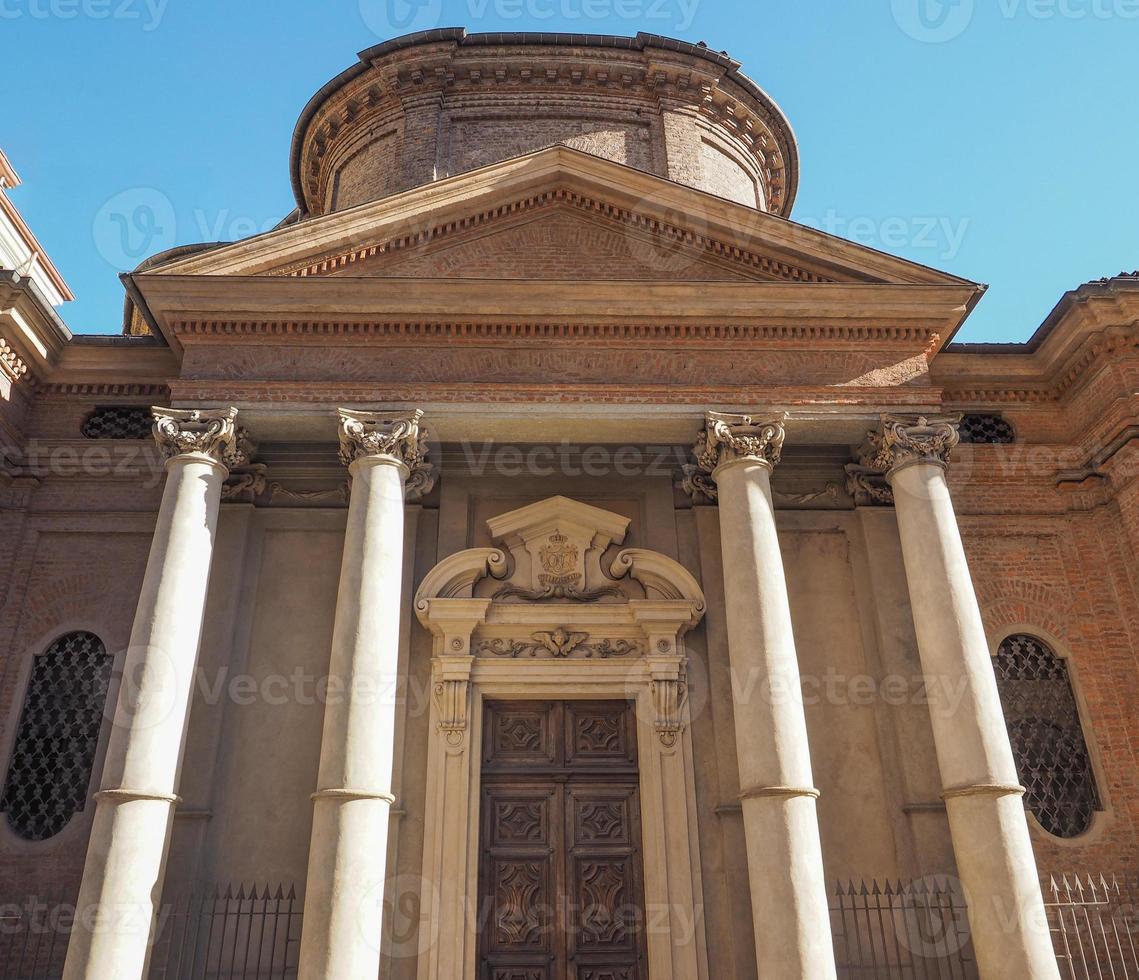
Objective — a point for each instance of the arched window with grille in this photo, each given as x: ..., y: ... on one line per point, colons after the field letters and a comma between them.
x: 54, y: 751
x: 1047, y: 738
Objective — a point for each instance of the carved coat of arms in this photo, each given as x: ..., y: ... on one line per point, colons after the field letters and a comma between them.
x: 559, y: 561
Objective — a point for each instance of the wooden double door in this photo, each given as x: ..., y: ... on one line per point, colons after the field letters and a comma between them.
x: 561, y: 891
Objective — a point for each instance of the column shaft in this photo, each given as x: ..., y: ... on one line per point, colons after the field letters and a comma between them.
x: 986, y: 815
x: 785, y: 865
x: 348, y: 850
x: 123, y: 875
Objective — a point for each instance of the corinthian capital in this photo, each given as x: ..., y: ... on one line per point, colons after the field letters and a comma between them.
x: 906, y: 439
x: 396, y: 436
x: 726, y: 438
x: 200, y: 432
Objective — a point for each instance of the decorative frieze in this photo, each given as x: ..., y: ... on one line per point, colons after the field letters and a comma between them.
x: 336, y: 496
x: 200, y: 432
x: 397, y: 436
x: 868, y: 487
x: 560, y: 643
x: 245, y: 485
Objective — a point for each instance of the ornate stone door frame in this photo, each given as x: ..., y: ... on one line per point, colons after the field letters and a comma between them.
x: 627, y: 645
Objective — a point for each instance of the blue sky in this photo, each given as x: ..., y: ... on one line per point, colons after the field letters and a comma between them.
x: 995, y: 139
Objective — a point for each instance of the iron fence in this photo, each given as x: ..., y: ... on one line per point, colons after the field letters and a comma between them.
x: 243, y: 933
x: 1093, y: 922
x: 237, y: 933
x: 898, y: 931
x: 882, y: 931
x: 34, y: 934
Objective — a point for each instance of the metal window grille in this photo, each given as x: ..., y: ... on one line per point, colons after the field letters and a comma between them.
x: 1047, y: 740
x: 119, y: 422
x: 986, y: 429
x: 50, y: 770
x: 896, y: 931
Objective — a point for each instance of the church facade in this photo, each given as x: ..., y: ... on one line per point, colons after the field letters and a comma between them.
x: 543, y: 558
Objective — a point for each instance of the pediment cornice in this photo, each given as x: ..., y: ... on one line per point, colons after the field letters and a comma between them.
x: 765, y: 244
x: 633, y: 222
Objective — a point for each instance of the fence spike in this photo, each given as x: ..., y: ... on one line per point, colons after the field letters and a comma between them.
x: 292, y: 892
x: 874, y: 890
x: 280, y: 893
x: 862, y: 890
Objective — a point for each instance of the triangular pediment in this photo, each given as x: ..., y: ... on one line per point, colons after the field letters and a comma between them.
x: 555, y: 241
x: 558, y: 214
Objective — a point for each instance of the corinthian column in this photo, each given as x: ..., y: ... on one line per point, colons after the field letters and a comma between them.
x: 735, y: 457
x: 122, y: 879
x: 981, y: 790
x: 385, y: 455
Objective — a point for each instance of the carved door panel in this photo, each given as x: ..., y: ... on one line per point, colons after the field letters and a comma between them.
x: 560, y: 879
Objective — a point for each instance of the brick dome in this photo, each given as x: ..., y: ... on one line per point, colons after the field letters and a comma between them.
x: 442, y: 102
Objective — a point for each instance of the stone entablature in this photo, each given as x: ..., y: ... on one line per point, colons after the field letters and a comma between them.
x: 443, y: 102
